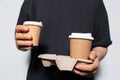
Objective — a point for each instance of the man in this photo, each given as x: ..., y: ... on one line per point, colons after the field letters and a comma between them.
x: 60, y: 18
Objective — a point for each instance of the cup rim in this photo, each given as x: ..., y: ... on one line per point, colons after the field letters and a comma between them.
x: 36, y: 23
x: 81, y: 35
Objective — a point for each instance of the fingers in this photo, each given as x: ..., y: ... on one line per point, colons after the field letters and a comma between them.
x: 23, y: 39
x: 21, y: 36
x: 24, y: 45
x: 92, y: 55
x: 22, y: 29
x: 86, y: 70
x: 25, y: 48
x: 88, y: 67
x: 83, y: 73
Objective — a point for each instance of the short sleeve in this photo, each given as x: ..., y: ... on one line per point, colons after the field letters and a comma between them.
x: 101, y: 31
x: 25, y: 12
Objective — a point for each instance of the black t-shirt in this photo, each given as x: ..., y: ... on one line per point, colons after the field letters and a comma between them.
x: 60, y: 18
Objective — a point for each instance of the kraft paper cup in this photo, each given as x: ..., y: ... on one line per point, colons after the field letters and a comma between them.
x: 34, y: 30
x: 80, y: 45
x: 48, y: 59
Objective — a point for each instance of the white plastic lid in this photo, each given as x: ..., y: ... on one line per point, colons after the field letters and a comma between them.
x: 81, y: 35
x: 33, y: 23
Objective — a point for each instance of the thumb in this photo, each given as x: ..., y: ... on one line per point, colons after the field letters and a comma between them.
x: 93, y: 55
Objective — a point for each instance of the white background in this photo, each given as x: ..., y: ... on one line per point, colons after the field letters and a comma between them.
x: 14, y: 63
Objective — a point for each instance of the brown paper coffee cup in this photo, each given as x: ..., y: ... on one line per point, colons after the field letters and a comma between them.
x: 34, y: 30
x: 80, y: 45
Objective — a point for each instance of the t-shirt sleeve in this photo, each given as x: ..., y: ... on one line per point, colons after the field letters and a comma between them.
x: 25, y: 12
x: 101, y: 31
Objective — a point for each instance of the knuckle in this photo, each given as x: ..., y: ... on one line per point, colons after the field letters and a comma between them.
x: 18, y: 43
x: 17, y: 27
x: 96, y: 65
x: 16, y: 36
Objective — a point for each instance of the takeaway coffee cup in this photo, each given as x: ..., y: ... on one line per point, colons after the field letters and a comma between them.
x: 80, y: 45
x: 34, y: 30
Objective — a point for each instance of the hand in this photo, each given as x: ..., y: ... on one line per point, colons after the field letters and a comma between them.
x: 88, y: 70
x: 23, y: 39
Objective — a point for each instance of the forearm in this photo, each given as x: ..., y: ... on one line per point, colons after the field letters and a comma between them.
x: 100, y: 52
